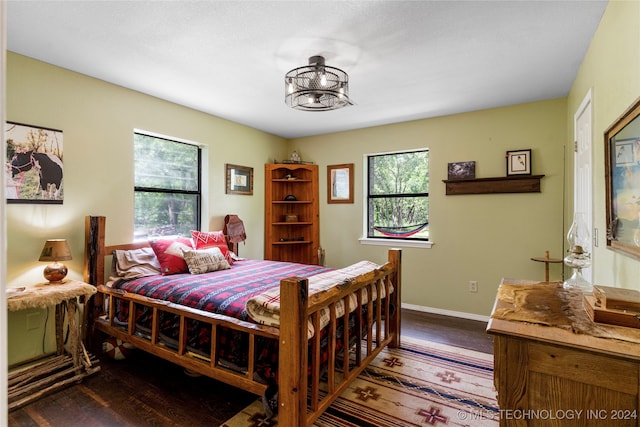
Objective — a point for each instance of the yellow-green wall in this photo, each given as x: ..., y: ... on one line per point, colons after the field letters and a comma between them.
x: 477, y: 237
x: 97, y: 120
x: 611, y: 70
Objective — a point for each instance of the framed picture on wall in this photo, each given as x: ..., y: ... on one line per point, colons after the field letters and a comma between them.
x: 461, y: 170
x: 519, y: 162
x: 340, y: 183
x: 33, y: 164
x: 622, y: 181
x: 239, y: 180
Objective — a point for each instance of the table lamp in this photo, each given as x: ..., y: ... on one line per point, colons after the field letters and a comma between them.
x: 55, y: 250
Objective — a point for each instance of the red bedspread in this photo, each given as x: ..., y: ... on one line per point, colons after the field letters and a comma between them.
x: 223, y: 292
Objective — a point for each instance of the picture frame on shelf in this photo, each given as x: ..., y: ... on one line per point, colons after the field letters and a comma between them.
x: 622, y: 182
x: 34, y: 164
x: 340, y: 183
x: 239, y: 179
x: 461, y: 170
x: 519, y: 162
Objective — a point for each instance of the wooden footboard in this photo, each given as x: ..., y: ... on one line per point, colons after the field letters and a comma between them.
x: 306, y: 386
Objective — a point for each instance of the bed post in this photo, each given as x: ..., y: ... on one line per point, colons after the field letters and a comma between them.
x: 292, y: 358
x: 395, y: 258
x: 94, y: 242
x: 93, y: 270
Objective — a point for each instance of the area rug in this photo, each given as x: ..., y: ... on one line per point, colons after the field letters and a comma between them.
x: 420, y: 384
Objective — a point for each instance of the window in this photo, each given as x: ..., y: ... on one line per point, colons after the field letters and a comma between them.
x: 398, y: 196
x: 167, y: 186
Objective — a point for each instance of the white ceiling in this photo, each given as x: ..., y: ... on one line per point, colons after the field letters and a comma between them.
x: 406, y: 59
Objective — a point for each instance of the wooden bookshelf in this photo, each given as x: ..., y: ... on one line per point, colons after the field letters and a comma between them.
x: 292, y: 230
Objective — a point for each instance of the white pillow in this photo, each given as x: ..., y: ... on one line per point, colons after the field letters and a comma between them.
x: 205, y: 260
x: 135, y: 263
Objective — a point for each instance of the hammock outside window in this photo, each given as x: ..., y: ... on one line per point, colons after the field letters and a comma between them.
x: 398, y: 195
x: 405, y: 231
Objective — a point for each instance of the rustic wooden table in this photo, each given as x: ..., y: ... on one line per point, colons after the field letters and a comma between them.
x: 51, y: 371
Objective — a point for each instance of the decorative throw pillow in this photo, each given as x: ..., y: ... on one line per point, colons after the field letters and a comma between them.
x: 135, y: 263
x: 205, y: 260
x: 211, y: 239
x: 169, y: 254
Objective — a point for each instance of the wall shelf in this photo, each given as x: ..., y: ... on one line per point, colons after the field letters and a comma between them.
x: 510, y: 184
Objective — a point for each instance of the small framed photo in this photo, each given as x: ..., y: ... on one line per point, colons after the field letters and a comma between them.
x: 519, y: 162
x: 461, y: 170
x: 239, y: 180
x: 340, y: 183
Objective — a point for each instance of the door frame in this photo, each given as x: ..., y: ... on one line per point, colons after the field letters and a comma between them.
x: 583, y: 186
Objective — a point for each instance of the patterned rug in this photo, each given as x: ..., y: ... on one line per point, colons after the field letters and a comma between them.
x: 420, y: 384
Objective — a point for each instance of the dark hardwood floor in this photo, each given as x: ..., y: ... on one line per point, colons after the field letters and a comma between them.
x: 147, y: 391
x: 448, y: 330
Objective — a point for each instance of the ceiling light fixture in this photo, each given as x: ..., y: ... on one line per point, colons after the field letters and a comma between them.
x: 316, y: 87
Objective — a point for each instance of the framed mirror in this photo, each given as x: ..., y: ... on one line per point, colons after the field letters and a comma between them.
x: 622, y: 174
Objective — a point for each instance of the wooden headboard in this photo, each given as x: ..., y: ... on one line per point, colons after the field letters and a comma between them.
x: 95, y: 250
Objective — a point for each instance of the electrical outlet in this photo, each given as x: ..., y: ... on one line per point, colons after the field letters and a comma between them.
x: 473, y: 286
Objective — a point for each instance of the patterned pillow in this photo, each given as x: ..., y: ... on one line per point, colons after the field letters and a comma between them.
x: 211, y: 239
x: 205, y: 260
x: 169, y: 254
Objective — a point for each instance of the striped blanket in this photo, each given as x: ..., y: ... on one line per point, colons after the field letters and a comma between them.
x: 264, y: 308
x: 223, y: 292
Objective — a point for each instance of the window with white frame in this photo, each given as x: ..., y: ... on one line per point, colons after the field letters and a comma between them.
x: 167, y: 186
x: 397, y: 205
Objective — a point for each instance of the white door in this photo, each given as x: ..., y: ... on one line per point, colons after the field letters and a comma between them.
x: 583, y: 171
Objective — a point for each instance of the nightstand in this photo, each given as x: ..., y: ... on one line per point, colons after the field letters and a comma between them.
x: 66, y: 366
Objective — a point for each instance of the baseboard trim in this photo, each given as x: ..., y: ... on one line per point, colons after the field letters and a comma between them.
x: 442, y: 312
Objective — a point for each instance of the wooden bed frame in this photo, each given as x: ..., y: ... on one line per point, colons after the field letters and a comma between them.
x: 300, y: 399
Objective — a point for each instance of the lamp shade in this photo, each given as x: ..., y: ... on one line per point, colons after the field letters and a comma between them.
x: 55, y: 250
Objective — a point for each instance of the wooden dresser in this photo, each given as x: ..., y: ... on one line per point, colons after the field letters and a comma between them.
x: 554, y: 367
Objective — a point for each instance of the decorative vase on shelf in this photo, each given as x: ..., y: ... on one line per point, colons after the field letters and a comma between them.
x: 578, y: 258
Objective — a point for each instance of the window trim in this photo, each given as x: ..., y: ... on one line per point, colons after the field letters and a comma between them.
x: 203, y: 175
x: 376, y: 241
x: 168, y: 137
x: 404, y: 243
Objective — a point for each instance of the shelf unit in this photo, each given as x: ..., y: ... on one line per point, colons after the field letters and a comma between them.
x: 511, y: 184
x: 289, y: 238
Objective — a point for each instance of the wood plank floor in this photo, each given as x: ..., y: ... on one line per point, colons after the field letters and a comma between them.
x: 147, y: 391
